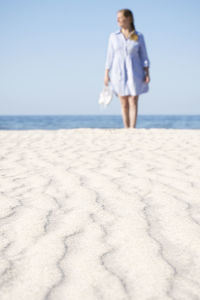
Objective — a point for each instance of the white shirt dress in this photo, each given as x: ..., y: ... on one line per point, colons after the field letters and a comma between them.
x: 126, y: 60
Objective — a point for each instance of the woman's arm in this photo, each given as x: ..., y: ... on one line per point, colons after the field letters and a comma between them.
x: 143, y: 54
x: 109, y: 55
x: 144, y: 58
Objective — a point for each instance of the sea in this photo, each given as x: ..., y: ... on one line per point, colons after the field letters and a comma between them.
x: 55, y: 122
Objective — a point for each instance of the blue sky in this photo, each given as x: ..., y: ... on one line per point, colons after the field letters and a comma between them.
x: 52, y: 55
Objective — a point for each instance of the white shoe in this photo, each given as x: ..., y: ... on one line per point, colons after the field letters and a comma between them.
x: 106, y: 95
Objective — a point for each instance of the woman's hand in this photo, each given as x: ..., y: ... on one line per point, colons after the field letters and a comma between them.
x: 147, y: 78
x: 106, y: 78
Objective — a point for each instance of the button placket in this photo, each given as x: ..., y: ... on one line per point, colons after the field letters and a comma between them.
x: 125, y: 46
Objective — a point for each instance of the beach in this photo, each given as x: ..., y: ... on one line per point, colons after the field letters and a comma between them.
x: 92, y: 214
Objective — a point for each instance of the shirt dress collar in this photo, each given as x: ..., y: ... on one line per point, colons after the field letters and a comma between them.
x: 119, y: 31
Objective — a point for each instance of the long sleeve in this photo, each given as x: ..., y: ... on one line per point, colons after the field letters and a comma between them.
x: 110, y: 54
x: 143, y: 52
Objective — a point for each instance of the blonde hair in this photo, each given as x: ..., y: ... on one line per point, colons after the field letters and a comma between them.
x: 128, y: 13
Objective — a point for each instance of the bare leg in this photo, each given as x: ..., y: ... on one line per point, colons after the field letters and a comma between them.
x: 125, y: 110
x: 133, y: 110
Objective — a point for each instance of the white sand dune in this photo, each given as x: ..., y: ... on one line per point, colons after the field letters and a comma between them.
x: 92, y: 214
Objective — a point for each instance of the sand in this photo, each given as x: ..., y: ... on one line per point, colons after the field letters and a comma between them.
x: 92, y: 214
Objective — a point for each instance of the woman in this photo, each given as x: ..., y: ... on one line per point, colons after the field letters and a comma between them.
x: 128, y: 64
